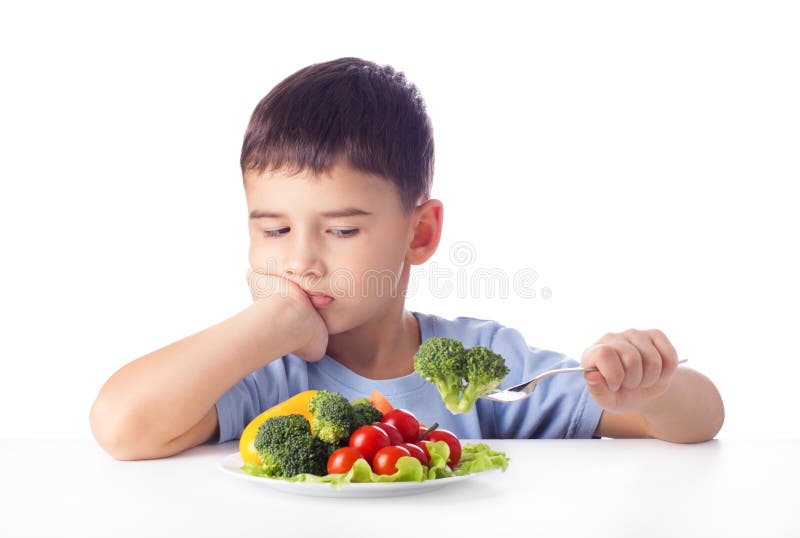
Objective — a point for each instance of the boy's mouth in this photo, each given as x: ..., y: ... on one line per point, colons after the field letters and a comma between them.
x: 318, y: 298
x: 313, y: 293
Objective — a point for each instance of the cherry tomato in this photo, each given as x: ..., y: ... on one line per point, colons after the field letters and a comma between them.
x: 405, y: 422
x: 394, y: 436
x: 423, y: 430
x: 342, y: 459
x: 417, y: 452
x: 368, y: 440
x: 422, y: 444
x: 451, y: 440
x: 385, y: 461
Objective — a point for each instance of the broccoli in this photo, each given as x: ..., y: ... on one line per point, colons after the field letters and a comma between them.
x: 305, y: 454
x: 364, y: 413
x: 287, y: 448
x: 485, y: 370
x: 441, y: 361
x: 333, y: 416
x: 461, y: 375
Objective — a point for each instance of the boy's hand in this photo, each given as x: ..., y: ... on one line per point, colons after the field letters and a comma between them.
x: 298, y: 318
x: 634, y: 367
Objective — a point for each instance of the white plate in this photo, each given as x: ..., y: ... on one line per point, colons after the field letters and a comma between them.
x: 231, y: 464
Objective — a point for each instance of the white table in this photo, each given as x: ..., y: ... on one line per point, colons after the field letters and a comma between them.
x: 615, y: 488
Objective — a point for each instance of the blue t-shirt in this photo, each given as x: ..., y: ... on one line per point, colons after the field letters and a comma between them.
x: 561, y: 406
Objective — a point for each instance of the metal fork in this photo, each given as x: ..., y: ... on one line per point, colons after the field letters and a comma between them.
x: 525, y: 389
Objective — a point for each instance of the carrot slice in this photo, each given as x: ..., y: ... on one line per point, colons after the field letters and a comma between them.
x: 380, y: 402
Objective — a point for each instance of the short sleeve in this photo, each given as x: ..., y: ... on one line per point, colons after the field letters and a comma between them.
x: 560, y: 407
x: 255, y: 393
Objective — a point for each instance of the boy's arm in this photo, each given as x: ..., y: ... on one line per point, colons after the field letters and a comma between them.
x: 644, y: 394
x: 164, y: 402
x: 691, y: 410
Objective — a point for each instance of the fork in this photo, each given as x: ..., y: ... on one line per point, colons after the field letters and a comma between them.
x: 526, y: 388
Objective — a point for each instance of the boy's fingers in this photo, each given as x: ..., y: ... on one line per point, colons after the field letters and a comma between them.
x: 650, y: 357
x: 598, y: 389
x: 594, y: 378
x: 629, y: 356
x: 669, y: 356
x: 261, y: 284
x: 631, y: 361
x: 605, y: 358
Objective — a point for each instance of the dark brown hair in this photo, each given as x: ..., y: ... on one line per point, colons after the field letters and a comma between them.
x: 347, y: 108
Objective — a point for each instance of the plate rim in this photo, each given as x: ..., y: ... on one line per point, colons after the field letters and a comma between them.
x: 230, y: 464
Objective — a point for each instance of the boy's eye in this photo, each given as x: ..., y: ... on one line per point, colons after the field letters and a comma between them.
x: 274, y: 233
x: 349, y: 232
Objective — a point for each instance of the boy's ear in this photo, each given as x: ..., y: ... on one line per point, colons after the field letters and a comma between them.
x: 426, y: 231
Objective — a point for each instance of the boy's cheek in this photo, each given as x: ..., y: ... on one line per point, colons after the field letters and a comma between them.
x: 253, y: 257
x: 262, y: 261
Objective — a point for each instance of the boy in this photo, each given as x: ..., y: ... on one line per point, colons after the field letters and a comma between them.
x: 337, y: 163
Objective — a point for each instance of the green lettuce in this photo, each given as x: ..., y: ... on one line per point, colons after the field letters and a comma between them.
x: 476, y: 458
x: 439, y: 453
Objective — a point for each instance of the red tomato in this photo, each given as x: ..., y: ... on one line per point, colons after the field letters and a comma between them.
x: 394, y: 436
x: 451, y: 440
x: 342, y: 459
x: 417, y: 452
x: 405, y: 422
x: 368, y: 440
x: 422, y: 444
x: 385, y: 461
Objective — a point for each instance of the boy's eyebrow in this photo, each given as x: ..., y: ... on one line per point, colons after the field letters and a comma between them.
x: 346, y: 212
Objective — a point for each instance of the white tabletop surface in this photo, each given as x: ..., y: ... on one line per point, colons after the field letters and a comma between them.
x: 615, y: 488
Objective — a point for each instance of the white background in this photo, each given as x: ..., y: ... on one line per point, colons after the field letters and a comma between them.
x: 639, y: 157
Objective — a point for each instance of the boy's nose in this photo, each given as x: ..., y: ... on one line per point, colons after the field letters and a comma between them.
x: 306, y: 278
x: 302, y: 260
x: 305, y: 269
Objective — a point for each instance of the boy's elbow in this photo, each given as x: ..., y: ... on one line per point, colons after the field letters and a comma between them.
x: 715, y: 417
x: 719, y: 416
x: 113, y: 429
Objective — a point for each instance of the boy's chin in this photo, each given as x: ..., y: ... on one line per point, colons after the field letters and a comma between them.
x: 338, y: 323
x: 332, y: 322
x: 335, y: 324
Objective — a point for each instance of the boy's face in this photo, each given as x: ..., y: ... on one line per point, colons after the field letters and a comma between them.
x: 359, y: 260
